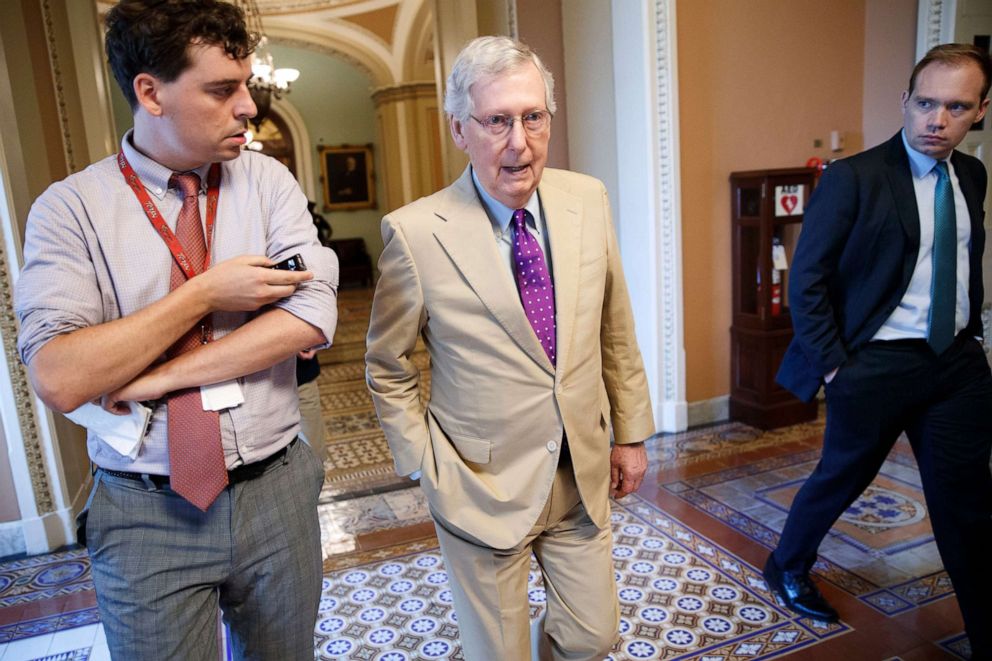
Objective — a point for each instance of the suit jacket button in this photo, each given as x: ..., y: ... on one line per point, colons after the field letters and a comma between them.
x: 552, y: 446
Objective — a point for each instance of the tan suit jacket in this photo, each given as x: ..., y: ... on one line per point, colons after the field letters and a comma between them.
x: 489, y: 441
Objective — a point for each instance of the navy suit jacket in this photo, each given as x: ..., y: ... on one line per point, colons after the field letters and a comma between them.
x: 856, y: 254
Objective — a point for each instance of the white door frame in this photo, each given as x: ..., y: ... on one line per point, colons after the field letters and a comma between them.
x: 649, y: 211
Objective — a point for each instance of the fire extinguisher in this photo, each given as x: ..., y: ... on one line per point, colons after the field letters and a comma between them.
x: 776, y: 293
x: 776, y: 290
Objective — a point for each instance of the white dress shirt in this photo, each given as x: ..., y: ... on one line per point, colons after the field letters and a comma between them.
x: 910, y: 318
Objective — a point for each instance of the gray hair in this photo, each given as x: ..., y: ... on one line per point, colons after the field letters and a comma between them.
x: 488, y: 56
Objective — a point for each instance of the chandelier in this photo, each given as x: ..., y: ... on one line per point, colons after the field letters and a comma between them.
x: 266, y: 80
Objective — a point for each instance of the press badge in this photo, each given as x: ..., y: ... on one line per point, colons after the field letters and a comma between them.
x: 220, y: 396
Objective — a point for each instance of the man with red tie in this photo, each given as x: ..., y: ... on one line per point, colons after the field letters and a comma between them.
x: 147, y: 279
x: 513, y: 278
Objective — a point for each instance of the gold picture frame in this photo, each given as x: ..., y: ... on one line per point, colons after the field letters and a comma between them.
x: 347, y: 176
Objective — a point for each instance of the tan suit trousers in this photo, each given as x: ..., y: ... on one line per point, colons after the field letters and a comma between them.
x: 575, y: 557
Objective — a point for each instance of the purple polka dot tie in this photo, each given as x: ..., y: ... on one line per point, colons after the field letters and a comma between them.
x: 537, y: 292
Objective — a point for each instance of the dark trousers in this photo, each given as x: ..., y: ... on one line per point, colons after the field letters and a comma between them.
x: 944, y: 404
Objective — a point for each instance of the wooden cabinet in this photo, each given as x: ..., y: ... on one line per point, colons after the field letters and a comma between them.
x: 766, y: 216
x: 354, y: 263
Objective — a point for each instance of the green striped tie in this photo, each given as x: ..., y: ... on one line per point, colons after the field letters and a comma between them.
x: 943, y: 286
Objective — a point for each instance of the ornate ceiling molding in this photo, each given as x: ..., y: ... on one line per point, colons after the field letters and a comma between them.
x: 415, y: 41
x: 379, y: 75
x: 379, y: 24
x: 335, y: 8
x: 425, y: 89
x: 934, y: 25
x: 293, y: 6
x: 339, y: 39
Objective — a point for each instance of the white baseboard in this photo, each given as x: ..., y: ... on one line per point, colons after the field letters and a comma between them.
x: 670, y: 416
x: 39, y: 534
x: 11, y: 539
x: 44, y: 534
x: 708, y: 411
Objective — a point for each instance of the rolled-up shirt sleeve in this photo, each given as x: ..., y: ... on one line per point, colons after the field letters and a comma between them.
x: 91, y: 256
x: 291, y: 231
x: 58, y: 290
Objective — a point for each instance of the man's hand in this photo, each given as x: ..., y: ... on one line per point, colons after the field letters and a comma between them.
x: 246, y: 283
x: 271, y: 337
x: 150, y: 384
x: 307, y: 355
x: 628, y: 463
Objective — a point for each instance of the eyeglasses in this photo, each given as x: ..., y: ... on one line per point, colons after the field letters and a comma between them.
x: 535, y: 123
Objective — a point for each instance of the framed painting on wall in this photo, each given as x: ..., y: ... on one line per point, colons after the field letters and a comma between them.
x: 346, y: 171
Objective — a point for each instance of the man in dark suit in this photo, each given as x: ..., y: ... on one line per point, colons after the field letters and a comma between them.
x: 886, y: 292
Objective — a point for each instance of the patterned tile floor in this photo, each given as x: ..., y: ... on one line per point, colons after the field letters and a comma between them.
x: 358, y: 460
x: 687, y: 553
x: 680, y: 595
x: 882, y: 549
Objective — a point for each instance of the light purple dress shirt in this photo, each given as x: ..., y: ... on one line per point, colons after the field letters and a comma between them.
x: 92, y: 256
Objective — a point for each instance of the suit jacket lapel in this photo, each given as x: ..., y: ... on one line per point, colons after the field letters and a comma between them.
x: 563, y: 217
x: 466, y: 236
x: 901, y: 182
x: 968, y: 189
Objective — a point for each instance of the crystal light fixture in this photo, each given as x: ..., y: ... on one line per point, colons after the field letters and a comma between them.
x: 266, y: 81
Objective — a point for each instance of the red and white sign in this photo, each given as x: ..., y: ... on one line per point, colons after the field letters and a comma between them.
x: 789, y: 200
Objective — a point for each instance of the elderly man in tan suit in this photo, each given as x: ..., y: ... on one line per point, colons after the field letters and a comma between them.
x: 512, y: 277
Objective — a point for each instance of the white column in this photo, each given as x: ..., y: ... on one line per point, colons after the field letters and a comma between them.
x: 935, y: 24
x: 648, y: 206
x: 46, y: 516
x: 40, y: 485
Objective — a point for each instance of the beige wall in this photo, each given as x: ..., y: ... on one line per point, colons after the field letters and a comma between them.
x: 758, y: 82
x: 539, y: 25
x: 890, y: 53
x: 410, y: 138
x: 592, y: 138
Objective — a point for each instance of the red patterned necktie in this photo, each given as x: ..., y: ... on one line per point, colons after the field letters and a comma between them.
x: 196, y: 458
x: 537, y: 292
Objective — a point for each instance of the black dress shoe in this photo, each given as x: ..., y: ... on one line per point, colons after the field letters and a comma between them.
x: 798, y: 593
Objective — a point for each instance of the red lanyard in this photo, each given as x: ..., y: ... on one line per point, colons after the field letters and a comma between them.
x: 175, y: 247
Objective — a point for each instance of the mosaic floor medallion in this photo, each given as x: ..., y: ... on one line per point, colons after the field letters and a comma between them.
x: 54, y: 577
x: 881, y: 550
x: 43, y: 577
x: 681, y: 596
x: 879, y: 509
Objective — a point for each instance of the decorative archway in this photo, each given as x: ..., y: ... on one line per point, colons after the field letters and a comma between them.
x: 300, y: 138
